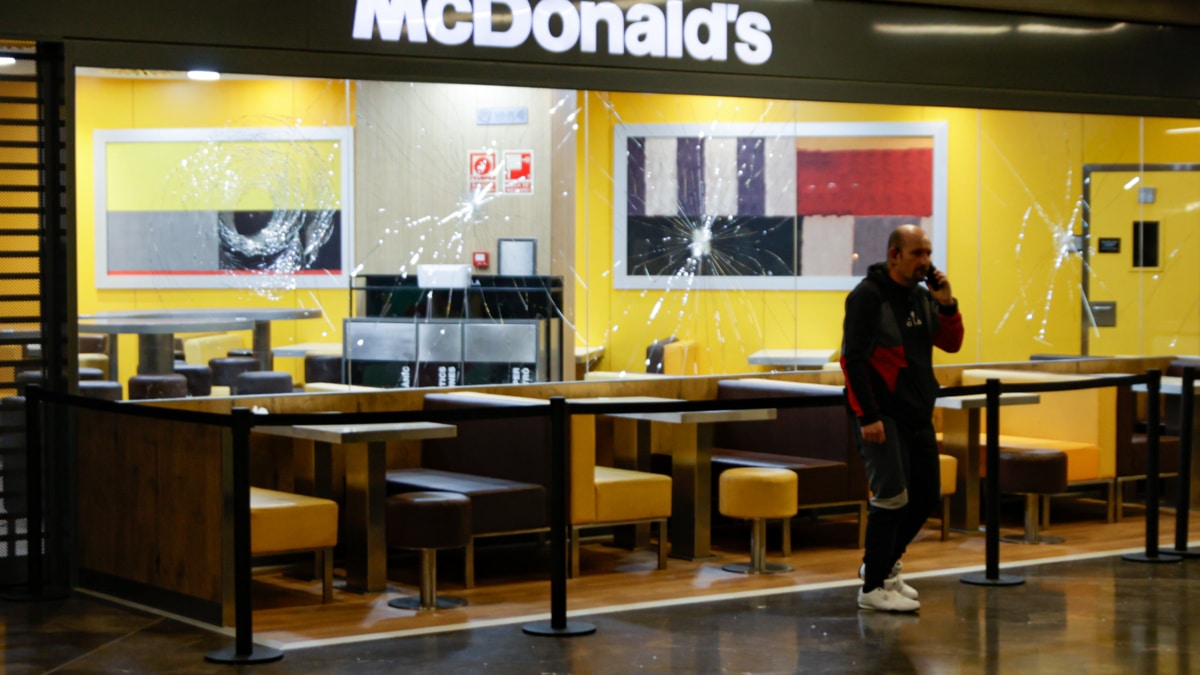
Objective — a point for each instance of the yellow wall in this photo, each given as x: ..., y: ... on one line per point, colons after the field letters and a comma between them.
x: 1014, y: 198
x: 1014, y: 185
x: 111, y: 103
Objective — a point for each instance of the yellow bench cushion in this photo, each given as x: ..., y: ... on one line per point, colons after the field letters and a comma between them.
x: 624, y: 495
x: 200, y: 350
x: 1086, y: 416
x: 949, y: 474
x: 283, y: 521
x: 1083, y: 459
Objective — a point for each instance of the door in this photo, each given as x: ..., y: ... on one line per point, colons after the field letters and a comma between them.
x: 1143, y: 276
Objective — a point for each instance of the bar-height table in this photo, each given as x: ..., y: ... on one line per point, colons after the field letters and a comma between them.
x: 156, y: 336
x: 691, y: 480
x: 259, y: 321
x: 961, y: 429
x: 366, y: 485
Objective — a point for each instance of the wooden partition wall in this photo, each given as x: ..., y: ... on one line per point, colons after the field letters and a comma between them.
x: 155, y: 496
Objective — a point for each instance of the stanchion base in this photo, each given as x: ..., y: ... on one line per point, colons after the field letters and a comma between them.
x: 414, y: 603
x: 546, y: 629
x: 1042, y: 539
x: 1161, y: 557
x: 1186, y: 553
x: 258, y: 654
x: 747, y: 568
x: 981, y: 579
x: 25, y: 595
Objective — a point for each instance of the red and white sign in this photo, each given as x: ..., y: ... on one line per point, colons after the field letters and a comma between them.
x: 481, y: 167
x: 518, y: 172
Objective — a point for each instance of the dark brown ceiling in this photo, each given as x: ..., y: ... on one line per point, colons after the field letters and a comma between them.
x: 1170, y: 12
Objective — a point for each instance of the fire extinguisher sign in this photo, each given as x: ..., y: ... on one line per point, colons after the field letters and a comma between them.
x: 518, y: 172
x: 481, y: 167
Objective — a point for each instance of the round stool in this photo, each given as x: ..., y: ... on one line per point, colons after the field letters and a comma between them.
x: 157, y: 386
x: 199, y: 378
x: 322, y: 368
x: 262, y: 382
x: 91, y: 373
x: 428, y: 521
x: 240, y: 353
x: 226, y: 370
x: 1033, y: 473
x: 758, y: 494
x: 106, y: 390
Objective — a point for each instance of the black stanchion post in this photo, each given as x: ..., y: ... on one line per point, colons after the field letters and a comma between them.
x: 991, y: 575
x: 244, y: 651
x: 559, y: 490
x: 1183, y: 503
x: 1152, y: 554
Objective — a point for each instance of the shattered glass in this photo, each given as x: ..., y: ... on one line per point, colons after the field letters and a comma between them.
x: 505, y: 234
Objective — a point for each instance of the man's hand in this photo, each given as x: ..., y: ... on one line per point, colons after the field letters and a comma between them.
x: 943, y: 294
x: 873, y: 433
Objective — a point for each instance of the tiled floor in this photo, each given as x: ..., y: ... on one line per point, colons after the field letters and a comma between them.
x: 1100, y: 615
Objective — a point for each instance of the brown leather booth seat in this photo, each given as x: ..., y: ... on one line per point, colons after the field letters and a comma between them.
x: 817, y: 443
x: 499, y: 505
x: 499, y: 463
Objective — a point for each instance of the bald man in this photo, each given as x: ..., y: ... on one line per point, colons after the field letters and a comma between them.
x: 892, y: 325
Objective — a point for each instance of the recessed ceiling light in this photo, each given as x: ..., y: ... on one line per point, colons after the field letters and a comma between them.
x: 204, y: 75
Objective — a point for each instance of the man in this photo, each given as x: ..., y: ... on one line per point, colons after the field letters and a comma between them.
x: 892, y: 325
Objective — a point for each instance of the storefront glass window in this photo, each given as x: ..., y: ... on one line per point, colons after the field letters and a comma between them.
x: 448, y: 232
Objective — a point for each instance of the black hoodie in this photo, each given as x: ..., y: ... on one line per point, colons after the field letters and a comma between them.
x: 887, y: 347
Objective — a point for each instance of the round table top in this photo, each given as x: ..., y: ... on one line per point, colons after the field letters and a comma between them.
x: 163, y: 325
x: 251, y: 313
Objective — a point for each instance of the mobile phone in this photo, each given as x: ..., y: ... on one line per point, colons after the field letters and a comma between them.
x: 931, y: 280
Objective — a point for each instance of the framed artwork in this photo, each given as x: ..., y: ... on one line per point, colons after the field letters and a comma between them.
x: 223, y: 208
x: 803, y: 206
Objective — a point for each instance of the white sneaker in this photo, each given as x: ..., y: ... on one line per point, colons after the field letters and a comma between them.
x: 883, y: 600
x: 893, y: 582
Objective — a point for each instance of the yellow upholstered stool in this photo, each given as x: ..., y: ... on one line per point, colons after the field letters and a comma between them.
x: 949, y: 480
x: 758, y: 494
x: 282, y: 522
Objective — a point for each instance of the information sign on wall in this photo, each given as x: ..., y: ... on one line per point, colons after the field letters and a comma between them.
x: 481, y: 167
x: 518, y: 172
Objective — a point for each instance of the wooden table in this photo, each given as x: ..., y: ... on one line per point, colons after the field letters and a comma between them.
x: 365, y: 537
x: 960, y: 439
x: 691, y: 480
x: 260, y: 319
x: 156, y: 336
x: 791, y: 359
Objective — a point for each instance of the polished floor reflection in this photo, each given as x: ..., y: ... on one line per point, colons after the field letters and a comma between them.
x: 1100, y: 615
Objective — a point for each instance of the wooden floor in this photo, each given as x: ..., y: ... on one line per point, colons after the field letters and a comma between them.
x: 513, y: 584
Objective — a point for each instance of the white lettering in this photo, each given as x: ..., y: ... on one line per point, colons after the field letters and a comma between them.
x: 543, y: 12
x: 754, y: 46
x: 717, y: 46
x: 674, y: 29
x: 435, y: 21
x: 646, y: 34
x: 591, y: 14
x: 518, y: 30
x: 644, y: 29
x: 391, y: 15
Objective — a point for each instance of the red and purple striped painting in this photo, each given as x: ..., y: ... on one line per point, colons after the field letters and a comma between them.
x: 769, y: 205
